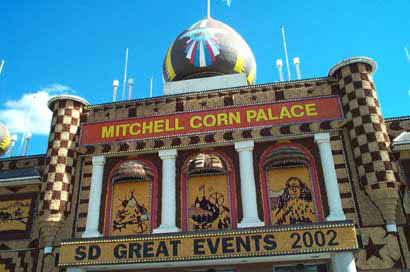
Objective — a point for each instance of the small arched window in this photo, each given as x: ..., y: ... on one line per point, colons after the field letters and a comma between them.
x: 131, y: 199
x: 208, y: 195
x: 289, y: 185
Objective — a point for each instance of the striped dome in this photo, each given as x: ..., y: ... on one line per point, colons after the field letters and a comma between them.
x: 208, y: 48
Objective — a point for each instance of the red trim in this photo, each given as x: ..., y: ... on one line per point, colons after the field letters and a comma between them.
x: 193, y: 53
x: 312, y: 169
x: 154, y: 196
x: 231, y: 183
x: 326, y: 108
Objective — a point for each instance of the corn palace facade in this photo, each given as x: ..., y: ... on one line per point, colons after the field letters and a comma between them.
x: 219, y: 174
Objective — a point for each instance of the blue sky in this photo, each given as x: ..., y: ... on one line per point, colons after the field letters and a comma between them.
x: 78, y: 47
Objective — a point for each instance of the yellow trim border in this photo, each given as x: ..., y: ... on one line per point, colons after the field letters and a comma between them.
x: 210, y: 245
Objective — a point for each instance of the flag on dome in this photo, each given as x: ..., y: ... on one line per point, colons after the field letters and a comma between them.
x: 228, y: 2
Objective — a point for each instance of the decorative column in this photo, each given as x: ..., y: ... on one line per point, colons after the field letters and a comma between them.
x: 168, y: 207
x: 93, y: 216
x: 329, y: 173
x: 248, y: 190
x: 343, y: 262
x: 368, y: 135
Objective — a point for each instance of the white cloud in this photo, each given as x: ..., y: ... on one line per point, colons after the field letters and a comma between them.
x: 15, y: 112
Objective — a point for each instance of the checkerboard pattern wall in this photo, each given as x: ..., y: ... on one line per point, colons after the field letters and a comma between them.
x: 369, y: 138
x: 367, y: 130
x: 61, y: 156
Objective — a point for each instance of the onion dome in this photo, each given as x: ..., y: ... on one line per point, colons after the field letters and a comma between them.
x: 208, y: 48
x: 4, y: 139
x: 131, y: 170
x: 205, y: 163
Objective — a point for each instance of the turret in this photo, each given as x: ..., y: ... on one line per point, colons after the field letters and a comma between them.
x: 60, y: 166
x: 368, y: 135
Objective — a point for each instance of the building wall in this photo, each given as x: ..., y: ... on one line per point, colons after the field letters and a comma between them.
x: 28, y: 257
x: 382, y: 251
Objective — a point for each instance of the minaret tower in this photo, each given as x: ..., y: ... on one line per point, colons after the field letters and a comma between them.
x: 368, y: 135
x: 60, y: 166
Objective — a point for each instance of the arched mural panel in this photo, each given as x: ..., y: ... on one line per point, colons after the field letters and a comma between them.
x: 290, y: 195
x: 131, y: 208
x: 209, y: 203
x: 131, y: 202
x: 290, y: 185
x: 208, y: 192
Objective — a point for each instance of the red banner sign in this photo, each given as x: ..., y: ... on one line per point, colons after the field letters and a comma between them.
x: 230, y: 118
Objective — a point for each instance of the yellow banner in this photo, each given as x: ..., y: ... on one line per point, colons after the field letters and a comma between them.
x: 285, y: 240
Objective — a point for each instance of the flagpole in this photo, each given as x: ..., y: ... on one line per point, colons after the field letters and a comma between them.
x: 1, y: 66
x: 125, y: 73
x: 286, y: 52
x: 150, y: 87
x: 209, y: 8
